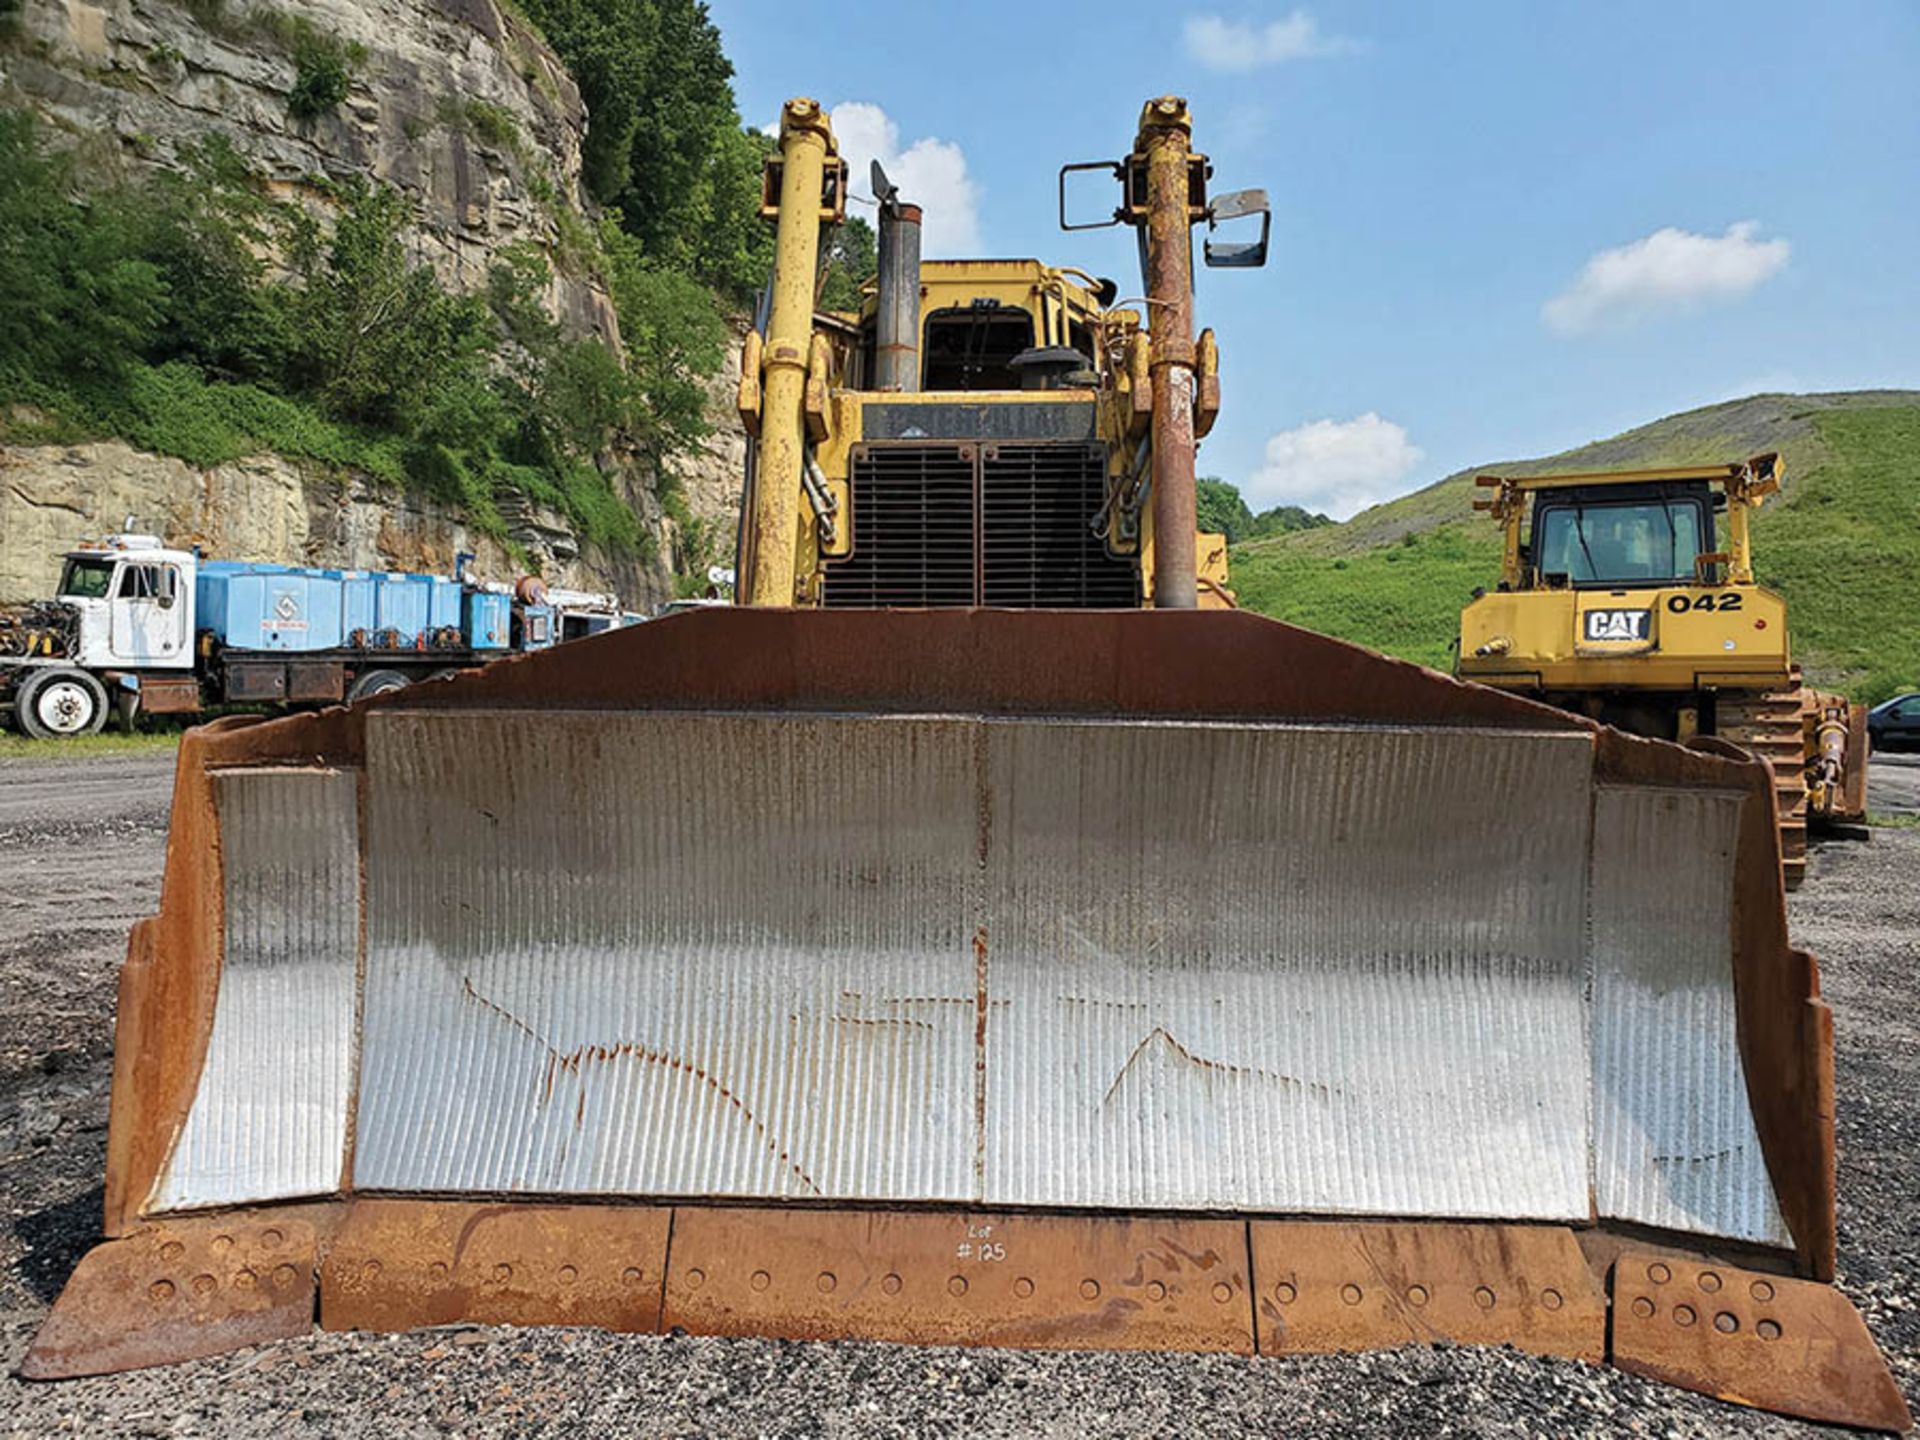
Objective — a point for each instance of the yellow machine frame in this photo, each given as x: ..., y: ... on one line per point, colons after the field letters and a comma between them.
x: 1672, y: 658
x: 802, y: 484
x: 1721, y: 630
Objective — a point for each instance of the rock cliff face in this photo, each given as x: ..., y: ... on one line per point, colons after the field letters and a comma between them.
x: 713, y: 478
x: 455, y: 102
x: 266, y: 508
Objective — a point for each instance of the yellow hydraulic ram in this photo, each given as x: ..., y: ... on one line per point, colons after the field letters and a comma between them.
x: 808, y: 185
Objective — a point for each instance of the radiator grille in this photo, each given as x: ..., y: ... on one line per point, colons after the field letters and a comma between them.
x: 913, y: 529
x: 1036, y: 548
x: 1004, y: 525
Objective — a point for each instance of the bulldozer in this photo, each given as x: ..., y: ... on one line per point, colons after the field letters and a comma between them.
x: 980, y: 934
x: 1616, y: 601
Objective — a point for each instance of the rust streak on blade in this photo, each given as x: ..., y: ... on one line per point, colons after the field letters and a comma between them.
x: 980, y: 1060
x: 1221, y: 1067
x: 572, y: 1061
x: 1790, y: 1346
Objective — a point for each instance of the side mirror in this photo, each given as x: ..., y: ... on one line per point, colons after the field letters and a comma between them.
x: 1113, y: 218
x: 1238, y: 254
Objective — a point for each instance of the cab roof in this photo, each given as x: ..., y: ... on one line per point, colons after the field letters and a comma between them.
x: 1750, y: 473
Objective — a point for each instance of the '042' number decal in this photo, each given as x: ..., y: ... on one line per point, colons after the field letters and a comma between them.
x: 1724, y: 601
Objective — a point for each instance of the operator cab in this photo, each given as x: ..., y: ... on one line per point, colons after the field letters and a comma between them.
x: 997, y: 325
x: 1613, y: 536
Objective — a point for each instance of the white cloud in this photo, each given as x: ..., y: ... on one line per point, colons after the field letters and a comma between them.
x: 1240, y: 45
x: 1669, y: 270
x: 930, y: 173
x: 1336, y: 466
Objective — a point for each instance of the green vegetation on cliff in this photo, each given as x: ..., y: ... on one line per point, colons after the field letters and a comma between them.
x: 664, y: 140
x: 189, y: 312
x: 666, y: 149
x: 1841, y: 542
x: 145, y: 310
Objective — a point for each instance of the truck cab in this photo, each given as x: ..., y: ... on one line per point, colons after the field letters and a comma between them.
x: 121, y: 625
x: 578, y: 614
x: 133, y: 602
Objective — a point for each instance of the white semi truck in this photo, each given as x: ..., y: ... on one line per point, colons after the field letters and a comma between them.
x: 138, y: 625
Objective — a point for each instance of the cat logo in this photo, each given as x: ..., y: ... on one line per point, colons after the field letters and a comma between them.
x: 1618, y: 624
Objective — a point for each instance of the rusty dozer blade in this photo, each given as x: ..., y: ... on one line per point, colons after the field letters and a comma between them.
x: 1152, y: 979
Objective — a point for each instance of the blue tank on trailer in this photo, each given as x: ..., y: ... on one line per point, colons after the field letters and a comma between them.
x: 250, y: 606
x: 269, y: 607
x: 489, y: 619
x: 402, y: 604
x: 443, y: 602
x: 356, y: 604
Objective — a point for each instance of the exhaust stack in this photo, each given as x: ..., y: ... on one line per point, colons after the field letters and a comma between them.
x: 897, y: 333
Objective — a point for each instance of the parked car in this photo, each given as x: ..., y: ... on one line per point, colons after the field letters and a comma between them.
x: 1895, y: 724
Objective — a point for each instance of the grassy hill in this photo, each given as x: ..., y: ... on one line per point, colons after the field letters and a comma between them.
x: 1841, y: 541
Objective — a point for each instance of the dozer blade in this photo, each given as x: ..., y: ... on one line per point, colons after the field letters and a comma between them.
x: 1162, y: 979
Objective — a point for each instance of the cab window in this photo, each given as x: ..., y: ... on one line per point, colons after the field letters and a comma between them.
x: 147, y: 582
x: 972, y: 348
x: 1605, y: 544
x: 86, y: 578
x: 1081, y: 339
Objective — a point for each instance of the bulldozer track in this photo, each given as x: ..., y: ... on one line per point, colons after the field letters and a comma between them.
x: 1769, y: 724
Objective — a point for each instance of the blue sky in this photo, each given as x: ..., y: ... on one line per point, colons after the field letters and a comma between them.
x: 1500, y: 229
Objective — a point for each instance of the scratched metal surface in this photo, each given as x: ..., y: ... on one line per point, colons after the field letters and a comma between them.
x: 1675, y: 1144
x: 1223, y: 966
x: 1301, y: 970
x: 668, y: 954
x: 269, y: 1118
x: 1296, y: 969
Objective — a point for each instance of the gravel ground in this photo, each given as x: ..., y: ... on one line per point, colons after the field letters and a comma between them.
x: 80, y: 848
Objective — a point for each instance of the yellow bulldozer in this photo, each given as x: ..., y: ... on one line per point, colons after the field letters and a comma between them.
x: 974, y: 938
x: 1629, y: 596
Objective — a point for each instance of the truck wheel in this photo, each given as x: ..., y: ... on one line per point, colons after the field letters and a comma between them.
x: 57, y: 704
x: 377, y: 682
